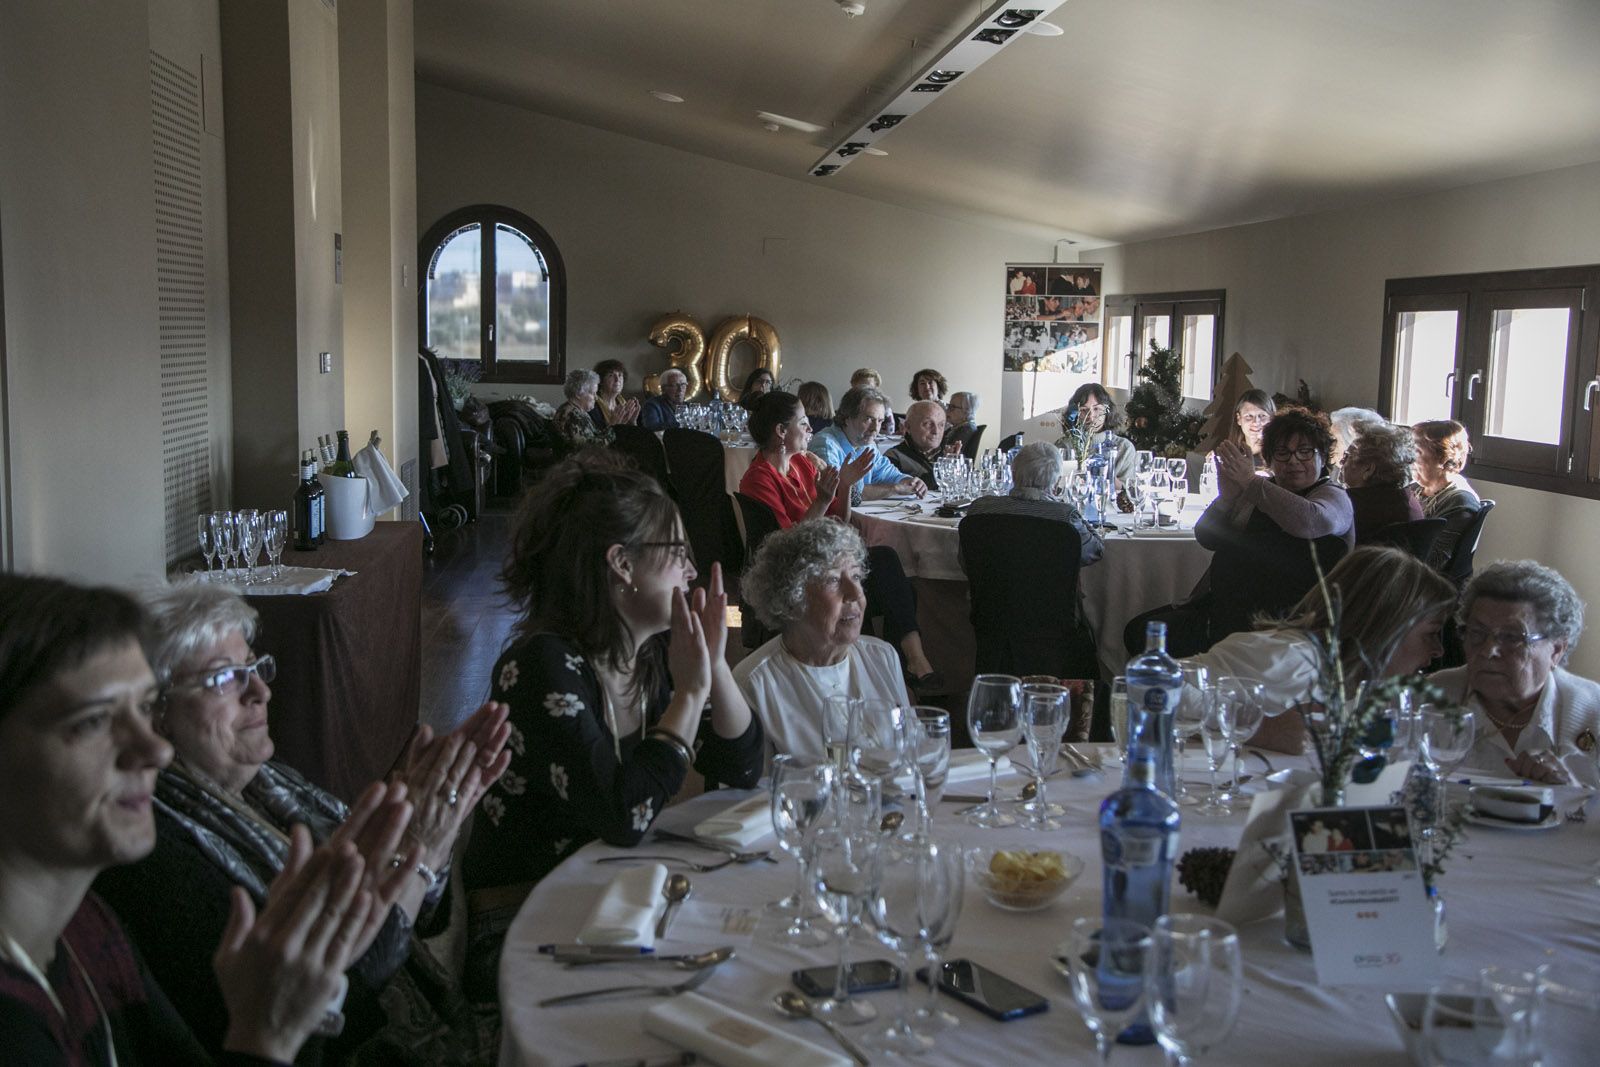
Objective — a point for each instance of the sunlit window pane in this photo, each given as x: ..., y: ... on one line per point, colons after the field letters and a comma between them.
x: 1199, y: 336
x: 1527, y: 374
x: 1425, y: 354
x: 454, y: 302
x: 1157, y: 331
x: 1119, y: 342
x: 522, y: 299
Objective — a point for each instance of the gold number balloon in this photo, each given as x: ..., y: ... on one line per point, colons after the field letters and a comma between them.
x: 759, y: 333
x: 687, y: 357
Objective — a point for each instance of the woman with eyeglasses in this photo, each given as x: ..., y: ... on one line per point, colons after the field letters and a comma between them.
x: 617, y: 683
x: 223, y: 811
x: 1519, y: 622
x: 1092, y: 412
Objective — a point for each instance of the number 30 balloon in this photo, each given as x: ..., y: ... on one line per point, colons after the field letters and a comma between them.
x: 691, y: 340
x: 708, y: 368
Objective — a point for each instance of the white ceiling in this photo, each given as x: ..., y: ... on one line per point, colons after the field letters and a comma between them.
x: 1146, y: 118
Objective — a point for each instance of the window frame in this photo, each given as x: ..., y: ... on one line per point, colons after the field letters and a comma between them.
x: 488, y: 217
x: 1572, y: 465
x: 1174, y: 306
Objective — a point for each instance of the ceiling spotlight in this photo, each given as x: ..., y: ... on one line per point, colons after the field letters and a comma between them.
x: 666, y: 97
x: 851, y: 8
x: 785, y: 120
x: 869, y: 150
x: 944, y: 77
x: 1046, y: 29
x: 771, y: 127
x: 1015, y: 17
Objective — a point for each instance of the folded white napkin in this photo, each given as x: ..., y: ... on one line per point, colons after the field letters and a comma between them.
x: 1515, y: 805
x: 627, y: 911
x: 1165, y: 531
x: 291, y: 581
x: 384, y: 487
x: 733, y: 1039
x: 970, y: 765
x: 743, y: 824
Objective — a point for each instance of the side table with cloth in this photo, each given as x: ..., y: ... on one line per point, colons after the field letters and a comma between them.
x: 1284, y: 1014
x: 349, y: 680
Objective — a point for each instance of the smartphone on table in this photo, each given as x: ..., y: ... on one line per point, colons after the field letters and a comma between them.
x: 994, y: 995
x: 867, y: 976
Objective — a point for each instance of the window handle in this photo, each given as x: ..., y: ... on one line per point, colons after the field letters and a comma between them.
x: 1477, y: 376
x: 491, y: 333
x: 1588, y: 393
x: 1449, y: 383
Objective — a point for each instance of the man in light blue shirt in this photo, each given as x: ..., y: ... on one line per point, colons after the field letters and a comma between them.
x: 860, y: 414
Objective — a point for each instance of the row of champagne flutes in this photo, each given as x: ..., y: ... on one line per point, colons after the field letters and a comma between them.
x: 235, y: 539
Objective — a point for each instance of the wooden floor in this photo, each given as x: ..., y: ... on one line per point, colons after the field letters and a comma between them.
x: 465, y: 620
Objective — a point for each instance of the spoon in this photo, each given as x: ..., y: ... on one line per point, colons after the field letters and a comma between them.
x: 892, y: 822
x: 676, y: 891
x: 691, y: 962
x: 795, y: 1006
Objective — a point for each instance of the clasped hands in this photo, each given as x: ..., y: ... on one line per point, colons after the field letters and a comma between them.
x: 1235, y: 469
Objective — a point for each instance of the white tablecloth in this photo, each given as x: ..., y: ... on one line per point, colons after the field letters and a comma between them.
x: 1512, y: 898
x: 1136, y: 573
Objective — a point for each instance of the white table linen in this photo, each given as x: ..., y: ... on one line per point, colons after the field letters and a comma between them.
x: 1512, y: 898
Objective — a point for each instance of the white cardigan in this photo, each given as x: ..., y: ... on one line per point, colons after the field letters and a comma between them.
x: 1566, y: 722
x: 789, y: 696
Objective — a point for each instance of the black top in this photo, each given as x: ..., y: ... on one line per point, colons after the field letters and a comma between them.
x: 565, y: 786
x: 913, y: 462
x: 1378, y: 506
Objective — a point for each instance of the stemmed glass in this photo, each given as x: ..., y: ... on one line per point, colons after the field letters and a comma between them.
x: 1193, y: 984
x: 1189, y: 717
x: 222, y: 533
x: 838, y: 714
x: 1445, y: 741
x: 250, y: 538
x: 1178, y: 471
x: 1138, y: 490
x: 930, y: 759
x: 879, y: 740
x: 1044, y: 720
x: 920, y: 883
x: 1566, y: 1012
x: 208, y: 544
x: 1512, y: 993
x: 939, y: 929
x: 1119, y: 719
x: 1216, y: 731
x: 844, y: 876
x: 1105, y: 965
x: 801, y: 790
x: 994, y: 720
x: 1246, y: 720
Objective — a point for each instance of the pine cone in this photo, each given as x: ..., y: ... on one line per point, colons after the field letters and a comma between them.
x: 1204, y: 871
x: 1124, y: 505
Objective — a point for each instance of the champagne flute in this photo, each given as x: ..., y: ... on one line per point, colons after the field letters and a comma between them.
x: 1193, y: 984
x: 222, y: 533
x: 208, y: 543
x: 279, y: 524
x: 919, y: 880
x: 801, y: 790
x: 1044, y: 720
x: 250, y: 536
x: 1216, y: 732
x: 930, y: 763
x: 1246, y: 720
x: 994, y: 721
x: 1104, y: 964
x: 844, y: 876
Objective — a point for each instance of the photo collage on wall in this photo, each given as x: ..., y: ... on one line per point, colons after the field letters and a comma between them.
x: 1053, y: 319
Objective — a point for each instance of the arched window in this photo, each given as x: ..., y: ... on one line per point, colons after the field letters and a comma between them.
x: 515, y: 327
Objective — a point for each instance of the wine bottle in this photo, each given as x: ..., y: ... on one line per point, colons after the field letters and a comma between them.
x: 1155, y: 683
x: 341, y: 467
x: 319, y: 501
x: 305, y: 505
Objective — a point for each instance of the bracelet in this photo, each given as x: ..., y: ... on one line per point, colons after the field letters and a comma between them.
x: 427, y: 874
x: 678, y: 745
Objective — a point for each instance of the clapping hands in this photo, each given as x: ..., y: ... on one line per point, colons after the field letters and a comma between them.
x: 1235, y: 468
x: 447, y: 775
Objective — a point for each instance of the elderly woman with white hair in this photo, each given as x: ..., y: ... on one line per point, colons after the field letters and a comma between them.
x: 1035, y: 472
x: 574, y: 426
x: 808, y: 583
x: 1519, y: 623
x: 1377, y: 467
x: 961, y: 420
x: 1347, y: 424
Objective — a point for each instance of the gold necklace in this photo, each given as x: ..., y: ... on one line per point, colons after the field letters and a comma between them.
x: 1509, y: 725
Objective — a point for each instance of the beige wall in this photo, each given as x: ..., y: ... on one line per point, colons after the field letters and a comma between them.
x: 645, y: 229
x: 1305, y: 300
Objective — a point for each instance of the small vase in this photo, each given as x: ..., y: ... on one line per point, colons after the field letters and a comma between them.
x: 1295, y: 930
x: 1441, y: 932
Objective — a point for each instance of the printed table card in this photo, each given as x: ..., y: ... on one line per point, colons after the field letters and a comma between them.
x: 1366, y: 906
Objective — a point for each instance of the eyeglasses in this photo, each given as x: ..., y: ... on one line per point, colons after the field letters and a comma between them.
x: 677, y: 551
x: 1283, y: 455
x: 232, y: 678
x: 1510, y: 640
x: 1255, y: 420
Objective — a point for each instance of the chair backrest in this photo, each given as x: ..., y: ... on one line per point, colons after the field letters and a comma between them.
x: 1022, y: 575
x: 1415, y: 537
x: 698, y: 476
x: 974, y: 443
x: 1264, y: 571
x: 1459, y: 568
x: 644, y: 448
x: 759, y: 521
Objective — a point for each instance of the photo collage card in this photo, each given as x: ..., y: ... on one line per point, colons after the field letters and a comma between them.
x: 1053, y: 319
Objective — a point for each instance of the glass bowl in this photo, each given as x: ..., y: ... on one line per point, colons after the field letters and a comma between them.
x: 1026, y: 890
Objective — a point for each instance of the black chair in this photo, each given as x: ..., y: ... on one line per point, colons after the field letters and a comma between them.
x: 1007, y: 444
x: 974, y: 444
x: 644, y: 448
x: 1264, y: 573
x: 1022, y: 577
x: 759, y: 521
x: 1416, y: 537
x: 698, y: 477
x: 1459, y: 567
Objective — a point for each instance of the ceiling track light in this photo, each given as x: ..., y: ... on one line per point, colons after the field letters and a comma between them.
x: 769, y: 118
x: 979, y: 42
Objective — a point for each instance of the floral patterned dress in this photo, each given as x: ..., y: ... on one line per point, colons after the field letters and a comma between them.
x: 566, y: 787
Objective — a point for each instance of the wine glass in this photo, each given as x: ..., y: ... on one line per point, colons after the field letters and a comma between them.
x: 838, y: 714
x: 1192, y: 984
x: 1044, y: 720
x: 1104, y: 963
x: 278, y: 529
x: 222, y: 533
x: 208, y: 544
x: 930, y: 759
x: 1216, y: 732
x: 879, y: 740
x: 940, y: 917
x: 1178, y: 471
x: 1566, y: 1016
x: 1119, y: 716
x: 1456, y: 1025
x: 1138, y: 490
x: 995, y: 722
x: 1512, y: 993
x: 250, y: 537
x: 1146, y: 460
x: 1446, y: 739
x: 1245, y: 721
x: 1188, y: 717
x: 844, y: 877
x: 801, y: 790
x: 919, y: 880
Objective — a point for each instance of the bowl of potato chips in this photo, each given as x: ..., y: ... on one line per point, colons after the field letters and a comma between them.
x: 1019, y: 879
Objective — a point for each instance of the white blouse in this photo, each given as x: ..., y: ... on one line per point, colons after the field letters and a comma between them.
x: 790, y: 696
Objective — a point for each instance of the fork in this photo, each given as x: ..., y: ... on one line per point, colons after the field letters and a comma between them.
x: 714, y: 846
x: 693, y: 982
x: 699, y: 868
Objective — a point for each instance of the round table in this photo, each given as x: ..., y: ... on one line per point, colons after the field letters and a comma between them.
x: 1139, y: 571
x: 1512, y: 898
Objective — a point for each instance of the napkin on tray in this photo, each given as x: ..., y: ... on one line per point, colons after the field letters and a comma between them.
x: 731, y: 1038
x: 627, y: 911
x: 743, y: 824
x: 1164, y: 531
x: 1528, y: 804
x: 971, y: 765
x: 291, y: 581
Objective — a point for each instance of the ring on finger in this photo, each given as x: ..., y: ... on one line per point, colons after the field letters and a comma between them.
x: 452, y: 797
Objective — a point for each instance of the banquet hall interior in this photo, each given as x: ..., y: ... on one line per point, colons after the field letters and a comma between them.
x: 219, y: 220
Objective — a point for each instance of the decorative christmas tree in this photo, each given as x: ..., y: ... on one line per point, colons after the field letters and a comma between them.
x: 1234, y: 383
x: 1156, y: 417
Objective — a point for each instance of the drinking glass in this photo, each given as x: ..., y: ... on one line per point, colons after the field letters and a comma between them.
x: 1566, y: 1014
x: 1216, y: 732
x: 1188, y: 718
x: 844, y: 877
x: 879, y: 740
x: 1138, y: 490
x: 250, y: 538
x: 1445, y: 742
x: 801, y: 790
x: 1146, y: 460
x: 1245, y: 721
x: 1104, y: 963
x: 838, y: 713
x: 1119, y: 715
x: 208, y: 544
x: 930, y: 759
x: 940, y: 916
x: 1044, y: 720
x: 278, y: 525
x: 1512, y: 993
x: 994, y: 720
x: 1178, y: 471
x: 920, y: 880
x: 1192, y: 984
x: 222, y: 532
